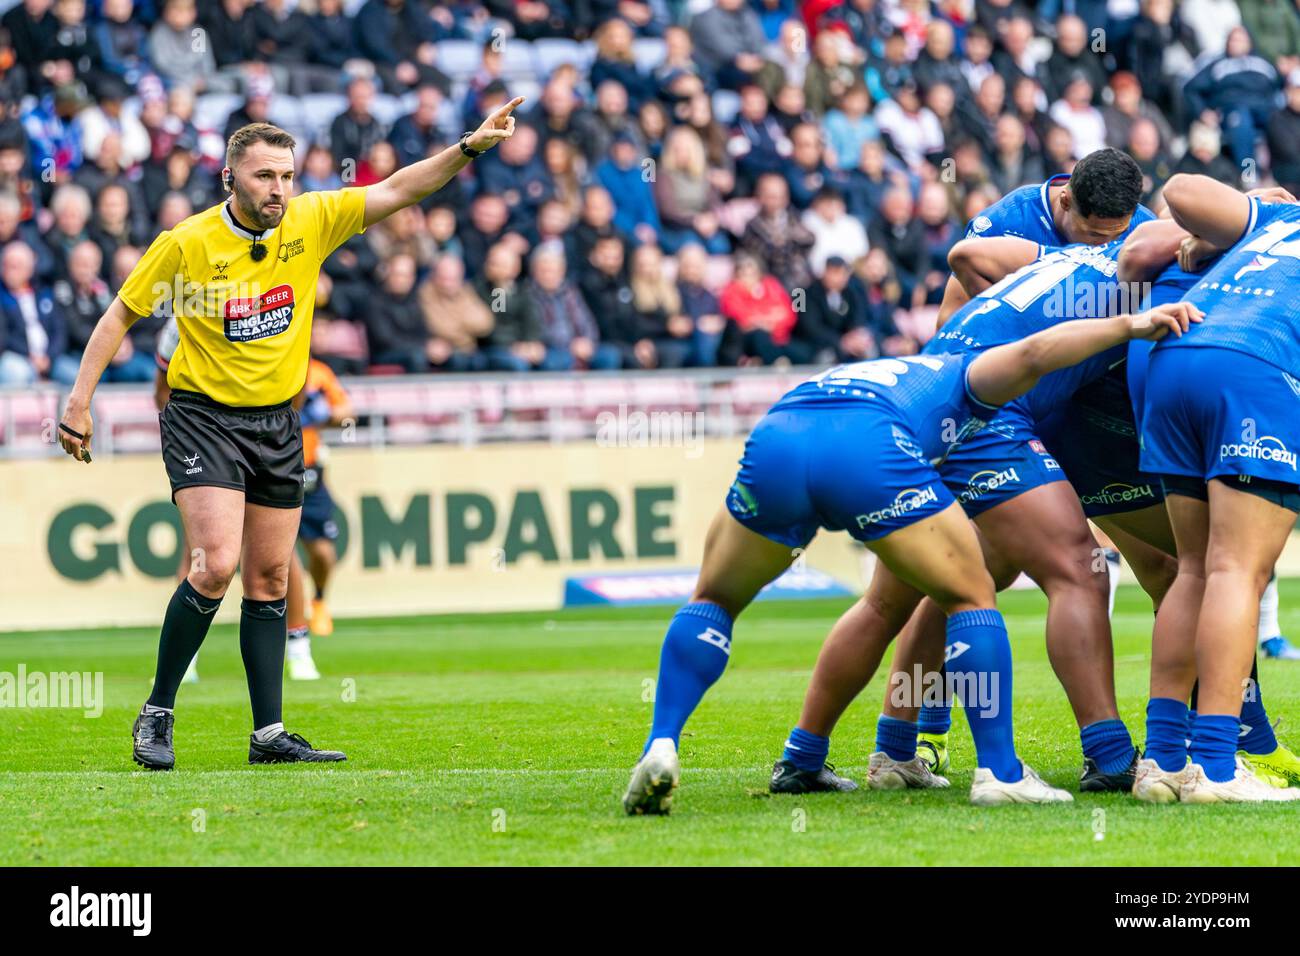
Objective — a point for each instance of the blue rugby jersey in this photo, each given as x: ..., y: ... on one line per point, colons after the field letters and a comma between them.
x: 1027, y: 213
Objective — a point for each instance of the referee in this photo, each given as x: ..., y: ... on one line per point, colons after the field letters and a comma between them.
x: 241, y: 279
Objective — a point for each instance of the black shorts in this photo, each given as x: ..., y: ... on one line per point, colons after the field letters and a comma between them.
x: 256, y: 450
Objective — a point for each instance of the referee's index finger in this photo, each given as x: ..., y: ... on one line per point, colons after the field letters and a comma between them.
x: 508, y: 108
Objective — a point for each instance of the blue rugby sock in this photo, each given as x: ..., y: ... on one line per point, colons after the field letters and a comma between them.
x: 1255, y: 735
x: 935, y: 718
x: 978, y: 665
x: 695, y: 653
x: 1214, y: 745
x: 897, y: 738
x: 1168, y: 729
x: 1108, y: 743
x: 805, y: 750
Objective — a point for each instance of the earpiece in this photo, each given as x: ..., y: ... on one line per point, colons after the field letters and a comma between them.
x: 228, y: 180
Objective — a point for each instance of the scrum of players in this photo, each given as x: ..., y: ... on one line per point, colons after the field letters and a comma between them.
x: 1093, y: 362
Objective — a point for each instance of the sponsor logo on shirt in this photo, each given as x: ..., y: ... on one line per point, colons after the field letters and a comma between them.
x: 906, y: 502
x: 294, y: 247
x: 1264, y: 448
x: 261, y: 316
x: 982, y: 482
x: 1117, y: 492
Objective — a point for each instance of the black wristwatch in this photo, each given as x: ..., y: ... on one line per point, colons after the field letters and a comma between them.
x: 464, y: 147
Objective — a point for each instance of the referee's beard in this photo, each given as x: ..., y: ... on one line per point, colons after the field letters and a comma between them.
x: 256, y: 214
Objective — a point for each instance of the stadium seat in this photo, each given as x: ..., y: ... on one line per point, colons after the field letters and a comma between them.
x: 556, y: 52
x: 518, y: 62
x: 319, y: 110
x: 604, y: 393
x: 726, y: 104
x: 648, y: 52
x: 459, y: 59
x: 212, y: 109
x: 665, y: 392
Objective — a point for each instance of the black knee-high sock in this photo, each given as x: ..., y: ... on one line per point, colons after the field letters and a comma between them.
x: 261, y: 643
x: 1254, y: 676
x: 185, y: 625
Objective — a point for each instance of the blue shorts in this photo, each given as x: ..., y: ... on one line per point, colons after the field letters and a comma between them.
x: 317, y: 510
x: 1002, y: 461
x: 1214, y: 413
x: 839, y: 467
x: 1094, y: 438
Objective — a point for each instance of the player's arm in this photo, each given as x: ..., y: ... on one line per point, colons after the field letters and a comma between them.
x: 1149, y: 250
x: 1207, y: 208
x: 1008, y: 371
x: 979, y: 263
x: 954, y: 297
x: 412, y: 183
x: 103, y: 345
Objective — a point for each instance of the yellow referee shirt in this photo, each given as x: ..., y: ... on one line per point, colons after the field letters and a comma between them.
x: 245, y: 326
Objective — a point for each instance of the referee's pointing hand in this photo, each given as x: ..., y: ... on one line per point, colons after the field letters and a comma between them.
x: 498, y: 126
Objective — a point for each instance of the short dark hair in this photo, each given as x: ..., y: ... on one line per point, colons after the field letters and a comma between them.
x: 1106, y: 183
x: 246, y: 136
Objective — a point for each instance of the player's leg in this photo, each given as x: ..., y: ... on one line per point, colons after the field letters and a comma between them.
x: 737, y: 564
x: 322, y: 556
x: 845, y: 665
x: 941, y: 557
x: 269, y: 535
x: 905, y: 726
x: 1271, y: 640
x: 1044, y: 532
x: 1247, y: 532
x: 1146, y: 541
x: 182, y: 572
x: 298, y: 648
x: 211, y: 518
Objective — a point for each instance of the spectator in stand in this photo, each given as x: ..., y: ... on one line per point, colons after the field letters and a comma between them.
x: 516, y: 172
x: 233, y: 38
x: 1144, y: 146
x: 850, y: 125
x: 1204, y: 156
x: 1027, y: 100
x: 440, y: 222
x: 835, y: 232
x: 787, y: 59
x: 608, y: 121
x: 977, y: 65
x: 417, y: 134
x: 913, y: 130
x: 1284, y: 137
x: 776, y: 237
x: 533, y: 19
x: 403, y: 233
x: 807, y: 171
x: 566, y: 168
x: 979, y: 120
x: 887, y: 73
x: 395, y: 324
x: 1236, y: 91
x: 555, y: 226
x: 515, y: 343
x: 1072, y: 55
x: 941, y: 232
x: 1012, y: 164
x: 687, y: 201
x: 666, y: 329
x: 624, y: 177
x: 83, y: 297
x: 32, y: 28
x: 614, y: 61
x: 1275, y: 26
x: 318, y: 170
x: 884, y: 297
x: 1162, y: 47
x: 729, y: 42
x: 1212, y: 21
x: 256, y: 108
x: 180, y: 51
x: 867, y: 183
x: 570, y: 333
x: 830, y: 75
x: 283, y: 38
x: 179, y: 173
x: 73, y: 43
x: 596, y: 221
x: 757, y: 143
x: 356, y: 129
x: 1126, y: 107
x: 457, y: 319
x: 833, y: 325
x: 114, y: 224
x: 902, y: 237
x: 1016, y: 58
x: 700, y: 304
x: 610, y: 299
x: 54, y: 142
x: 330, y: 36
x: 72, y: 210
x: 937, y: 62
x: 1058, y: 151
x: 762, y: 310
x: 35, y: 328
x: 1075, y: 113
x: 107, y: 117
x: 488, y: 215
x: 14, y: 230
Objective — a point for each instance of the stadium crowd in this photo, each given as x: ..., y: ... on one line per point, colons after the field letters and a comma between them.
x: 747, y: 182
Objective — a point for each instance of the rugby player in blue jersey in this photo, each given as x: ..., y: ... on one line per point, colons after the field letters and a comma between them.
x: 854, y: 449
x: 1221, y: 429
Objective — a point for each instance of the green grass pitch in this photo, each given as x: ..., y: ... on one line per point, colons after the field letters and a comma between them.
x: 507, y: 739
